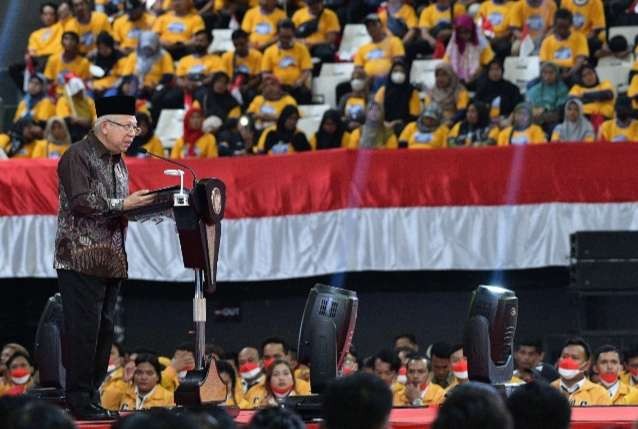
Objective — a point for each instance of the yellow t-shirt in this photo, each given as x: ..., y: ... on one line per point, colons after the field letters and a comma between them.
x: 498, y: 15
x: 405, y: 13
x: 486, y: 57
x: 153, y: 146
x: 153, y: 77
x: 588, y: 17
x: 261, y: 144
x: 456, y: 129
x: 605, y: 108
x: 354, y: 106
x: 173, y: 29
x: 112, y: 78
x: 205, y: 147
x: 633, y: 91
x: 262, y: 28
x: 564, y: 52
x: 88, y: 32
x: 537, y: 18
x: 556, y: 137
x: 609, y: 131
x: 63, y: 108
x: 589, y: 394
x: 127, y: 33
x: 234, y: 64
x: 431, y: 16
x: 41, y: 112
x: 286, y: 64
x: 345, y: 140
x: 424, y: 140
x: 328, y: 23
x: 56, y: 68
x: 414, y: 102
x: 390, y: 143
x: 44, y: 149
x: 206, y: 65
x: 432, y: 395
x: 462, y: 101
x: 26, y: 151
x: 261, y: 106
x: 532, y: 135
x: 377, y: 58
x: 46, y: 41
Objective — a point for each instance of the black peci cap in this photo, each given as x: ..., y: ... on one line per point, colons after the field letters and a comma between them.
x: 118, y: 105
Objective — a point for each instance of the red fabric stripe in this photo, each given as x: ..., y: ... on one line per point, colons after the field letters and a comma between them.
x: 330, y: 180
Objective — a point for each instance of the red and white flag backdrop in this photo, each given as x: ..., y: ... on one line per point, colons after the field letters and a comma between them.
x: 336, y: 211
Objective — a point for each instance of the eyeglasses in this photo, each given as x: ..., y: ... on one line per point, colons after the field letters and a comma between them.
x: 128, y: 127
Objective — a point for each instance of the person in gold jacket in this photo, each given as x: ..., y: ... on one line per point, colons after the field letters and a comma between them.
x: 386, y: 367
x: 146, y: 392
x: 115, y: 384
x: 19, y: 376
x: 630, y: 375
x: 278, y: 385
x: 235, y: 392
x: 418, y: 390
x: 607, y: 365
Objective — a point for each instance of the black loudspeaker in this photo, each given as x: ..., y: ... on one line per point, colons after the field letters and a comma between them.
x: 604, y: 245
x: 601, y: 275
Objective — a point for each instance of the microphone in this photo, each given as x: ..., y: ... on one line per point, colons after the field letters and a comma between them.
x: 195, y: 179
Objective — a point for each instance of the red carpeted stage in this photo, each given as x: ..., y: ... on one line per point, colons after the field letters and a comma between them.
x: 422, y: 418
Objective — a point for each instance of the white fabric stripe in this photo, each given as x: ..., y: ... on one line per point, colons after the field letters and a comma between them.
x: 433, y: 238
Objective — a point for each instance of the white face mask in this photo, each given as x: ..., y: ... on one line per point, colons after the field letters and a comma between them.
x: 461, y: 375
x: 111, y: 368
x: 357, y: 84
x: 21, y: 380
x: 182, y: 374
x: 397, y: 77
x: 568, y: 374
x: 403, y: 379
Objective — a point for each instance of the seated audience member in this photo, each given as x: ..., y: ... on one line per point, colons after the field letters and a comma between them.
x: 332, y: 132
x: 57, y: 140
x: 261, y: 23
x: 276, y: 418
x: 548, y: 97
x: 114, y: 385
x: 28, y: 413
x: 537, y: 16
x: 617, y: 48
x: 386, y: 367
x: 290, y: 62
x: 537, y: 404
x: 35, y: 105
x: 494, y: 16
x: 468, y: 51
x: 284, y: 137
x: 350, y: 363
x: 408, y: 340
x: 523, y: 130
x: 24, y: 136
x: 150, y: 64
x: 196, y: 70
x: 440, y: 361
x: 448, y: 93
x: 418, y: 390
x: 376, y: 57
x: 19, y: 377
x: 597, y: 97
x: 575, y: 127
x: 268, y: 106
x: 475, y: 130
x: 146, y: 391
x: 318, y: 28
x: 629, y: 375
x: 607, y: 365
x: 529, y: 356
x: 353, y: 104
x: 238, y: 139
x: 399, y: 98
x: 623, y: 128
x: 216, y: 99
x: 128, y: 27
x: 427, y: 132
x: 250, y: 369
x: 69, y: 61
x: 400, y: 19
x: 108, y: 59
x: 373, y: 134
x: 360, y: 401
x: 177, y: 28
x: 87, y: 24
x: 564, y: 47
x: 500, y: 94
x: 76, y: 108
x: 243, y: 65
x: 146, y: 139
x: 279, y: 384
x: 573, y: 366
x: 589, y: 20
x: 194, y: 143
x: 65, y: 13
x: 435, y: 22
x: 7, y: 351
x: 235, y: 392
x: 45, y: 41
x: 473, y: 405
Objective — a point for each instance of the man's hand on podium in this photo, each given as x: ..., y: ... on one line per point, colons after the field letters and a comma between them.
x: 138, y: 199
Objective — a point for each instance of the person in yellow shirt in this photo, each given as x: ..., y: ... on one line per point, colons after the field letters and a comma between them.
x: 523, y: 131
x: 373, y: 134
x: 386, y: 365
x: 110, y: 62
x: 566, y: 48
x: 35, y: 104
x: 621, y: 129
x: 418, y: 390
x: 146, y: 139
x: 177, y: 28
x: 576, y: 127
x: 353, y: 104
x: 629, y: 376
x: 607, y: 365
x: 243, y: 65
x: 597, y: 97
x: 261, y: 23
x: 427, y: 132
x: 146, y: 392
x: 128, y: 27
x: 435, y: 21
x: 332, y: 132
x: 69, y: 61
x: 285, y: 137
x: 196, y: 70
x: 318, y: 28
x: 21, y: 142
x: 19, y: 377
x: 76, y: 108
x: 497, y: 13
x: 448, y: 93
x: 235, y: 393
x: 151, y: 64
x: 399, y: 98
x: 535, y: 16
x: 194, y: 143
x: 218, y: 103
x: 46, y: 40
x: 589, y: 20
x: 268, y: 106
x: 400, y: 19
x: 475, y: 130
x: 278, y: 385
x: 88, y: 24
x: 57, y: 140
x: 572, y: 367
x: 114, y: 385
x: 376, y: 57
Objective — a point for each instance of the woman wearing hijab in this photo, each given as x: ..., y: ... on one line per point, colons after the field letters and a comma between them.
x: 284, y: 137
x: 597, y: 97
x: 623, y: 128
x: 448, y: 94
x: 523, y: 131
x: 35, y: 104
x: 373, y: 134
x: 475, y: 130
x: 468, y: 51
x: 107, y: 58
x: 500, y: 94
x: 77, y: 108
x: 332, y: 132
x: 548, y: 97
x: 194, y: 143
x: 399, y: 98
x: 146, y: 140
x: 217, y: 100
x: 576, y: 127
x: 57, y: 140
x: 427, y: 132
x: 150, y: 63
